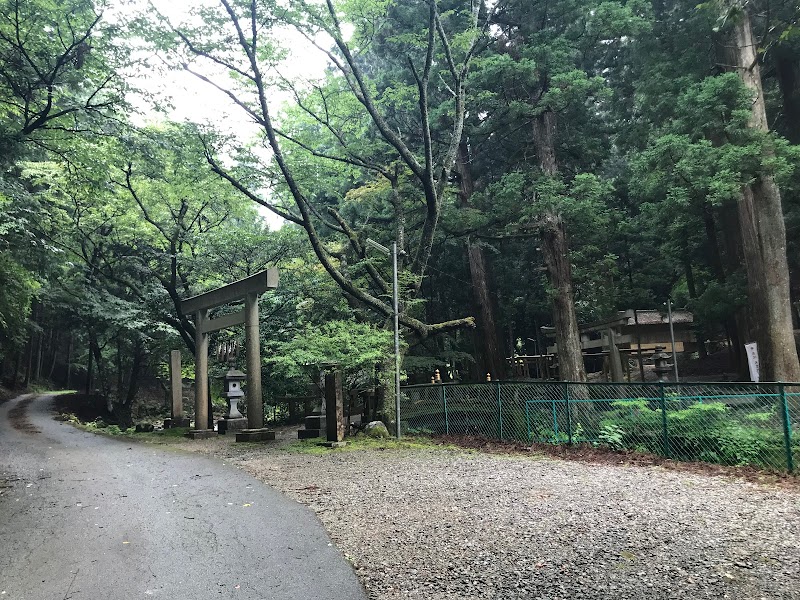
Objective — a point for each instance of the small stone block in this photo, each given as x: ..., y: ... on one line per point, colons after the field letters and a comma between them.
x: 307, y: 434
x: 255, y: 435
x: 200, y: 434
x: 167, y: 423
x: 315, y: 422
x: 178, y: 422
x: 334, y: 444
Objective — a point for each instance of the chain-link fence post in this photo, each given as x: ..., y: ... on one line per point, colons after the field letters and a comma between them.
x: 499, y: 412
x: 663, y: 402
x: 569, y: 412
x: 444, y: 409
x: 528, y: 420
x: 787, y: 428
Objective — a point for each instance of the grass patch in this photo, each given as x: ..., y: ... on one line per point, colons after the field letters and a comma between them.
x: 363, y: 443
x: 99, y: 426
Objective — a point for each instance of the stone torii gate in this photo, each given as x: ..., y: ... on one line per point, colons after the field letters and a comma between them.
x: 249, y: 290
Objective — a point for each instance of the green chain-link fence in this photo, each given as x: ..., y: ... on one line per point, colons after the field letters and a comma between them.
x: 724, y: 423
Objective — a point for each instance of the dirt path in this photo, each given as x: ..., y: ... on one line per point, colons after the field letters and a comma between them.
x: 439, y: 524
x: 85, y: 516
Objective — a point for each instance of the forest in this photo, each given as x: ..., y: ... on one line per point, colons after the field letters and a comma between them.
x: 537, y: 162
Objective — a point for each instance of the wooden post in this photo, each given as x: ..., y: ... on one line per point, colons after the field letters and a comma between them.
x: 200, y: 372
x: 615, y: 361
x: 176, y: 383
x: 255, y: 402
x: 639, y: 344
x: 334, y: 407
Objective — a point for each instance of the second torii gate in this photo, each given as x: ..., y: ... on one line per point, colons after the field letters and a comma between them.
x: 249, y: 290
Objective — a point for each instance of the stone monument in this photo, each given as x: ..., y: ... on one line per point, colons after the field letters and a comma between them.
x: 176, y: 384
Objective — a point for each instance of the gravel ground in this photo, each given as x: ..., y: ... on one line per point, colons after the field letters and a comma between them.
x: 441, y: 524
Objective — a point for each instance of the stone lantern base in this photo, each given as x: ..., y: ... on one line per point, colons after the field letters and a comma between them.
x: 225, y: 425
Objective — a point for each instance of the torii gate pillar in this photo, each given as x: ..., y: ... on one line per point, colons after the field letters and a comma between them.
x: 255, y: 414
x: 249, y: 289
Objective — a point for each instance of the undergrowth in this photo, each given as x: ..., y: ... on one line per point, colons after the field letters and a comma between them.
x: 363, y: 442
x: 101, y: 427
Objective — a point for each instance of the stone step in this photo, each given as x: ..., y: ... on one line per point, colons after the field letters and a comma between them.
x: 200, y: 434
x: 307, y: 434
x: 255, y: 435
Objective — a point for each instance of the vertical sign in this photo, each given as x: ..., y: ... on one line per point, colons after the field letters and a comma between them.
x: 752, y: 360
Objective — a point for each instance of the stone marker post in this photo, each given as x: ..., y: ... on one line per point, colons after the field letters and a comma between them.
x: 177, y: 384
x: 177, y: 418
x: 334, y: 407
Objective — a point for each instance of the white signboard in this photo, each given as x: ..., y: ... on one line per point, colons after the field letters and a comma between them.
x: 752, y: 360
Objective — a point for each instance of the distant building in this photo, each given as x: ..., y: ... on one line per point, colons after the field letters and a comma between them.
x: 631, y: 330
x: 652, y: 330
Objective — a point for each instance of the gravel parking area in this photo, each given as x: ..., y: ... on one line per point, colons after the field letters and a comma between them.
x: 441, y: 524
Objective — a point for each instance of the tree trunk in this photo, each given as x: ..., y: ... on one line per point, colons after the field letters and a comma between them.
x: 68, y: 377
x: 763, y: 232
x: 28, y: 362
x: 555, y: 251
x: 39, y: 355
x: 102, y: 372
x: 54, y: 343
x: 123, y: 411
x: 120, y: 373
x: 487, y: 325
x: 715, y: 254
x: 700, y: 332
x: 17, y: 365
x: 787, y: 69
x: 490, y: 357
x: 739, y: 327
x: 89, y: 370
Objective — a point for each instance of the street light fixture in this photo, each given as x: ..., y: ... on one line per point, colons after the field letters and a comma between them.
x: 393, y: 253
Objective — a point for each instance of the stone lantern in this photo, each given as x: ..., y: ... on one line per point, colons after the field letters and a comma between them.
x: 662, y: 367
x: 231, y: 390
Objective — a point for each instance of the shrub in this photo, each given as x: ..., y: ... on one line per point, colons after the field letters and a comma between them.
x: 612, y: 436
x: 711, y: 432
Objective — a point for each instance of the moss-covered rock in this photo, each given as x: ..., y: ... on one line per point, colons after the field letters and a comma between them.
x: 376, y: 429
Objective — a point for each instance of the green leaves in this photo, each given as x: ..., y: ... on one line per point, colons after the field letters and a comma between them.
x: 57, y: 66
x: 351, y: 346
x: 19, y: 288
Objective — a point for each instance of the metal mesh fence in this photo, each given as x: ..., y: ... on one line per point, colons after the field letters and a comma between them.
x: 723, y: 423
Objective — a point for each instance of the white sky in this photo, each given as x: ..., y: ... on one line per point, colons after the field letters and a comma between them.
x: 195, y: 100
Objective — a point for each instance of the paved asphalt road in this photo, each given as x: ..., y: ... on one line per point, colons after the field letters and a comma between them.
x: 87, y: 517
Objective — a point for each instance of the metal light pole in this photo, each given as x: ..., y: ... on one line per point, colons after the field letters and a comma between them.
x: 396, y: 305
x: 672, y: 339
